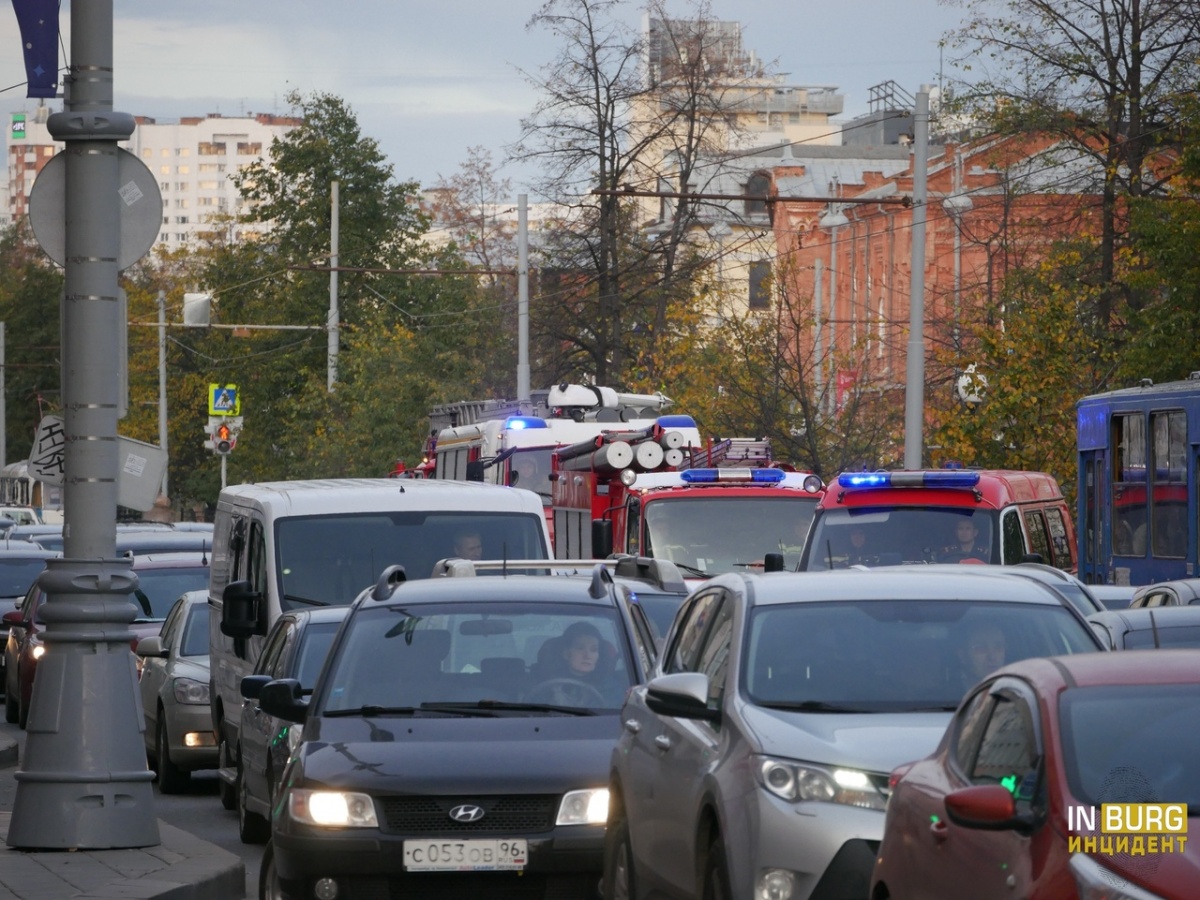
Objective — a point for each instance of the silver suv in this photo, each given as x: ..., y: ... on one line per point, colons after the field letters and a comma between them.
x: 755, y: 762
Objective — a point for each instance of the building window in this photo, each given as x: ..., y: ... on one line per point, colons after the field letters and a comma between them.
x: 760, y: 284
x: 164, y: 170
x: 185, y: 170
x: 183, y: 151
x: 249, y: 148
x: 758, y: 185
x: 147, y: 153
x: 210, y: 148
x: 164, y: 152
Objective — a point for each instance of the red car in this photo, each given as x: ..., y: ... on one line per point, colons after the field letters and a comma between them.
x: 1012, y: 802
x: 162, y: 579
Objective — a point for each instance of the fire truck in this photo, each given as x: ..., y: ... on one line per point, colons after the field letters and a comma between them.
x: 709, y: 509
x: 504, y: 442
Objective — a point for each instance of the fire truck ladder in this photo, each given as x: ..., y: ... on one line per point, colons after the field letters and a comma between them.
x: 746, y: 452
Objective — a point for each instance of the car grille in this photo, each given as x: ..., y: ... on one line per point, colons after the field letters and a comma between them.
x: 489, y: 885
x: 510, y: 815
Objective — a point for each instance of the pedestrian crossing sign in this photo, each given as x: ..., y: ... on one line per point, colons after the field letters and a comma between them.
x: 224, y: 400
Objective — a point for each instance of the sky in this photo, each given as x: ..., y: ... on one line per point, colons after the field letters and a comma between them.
x: 429, y: 80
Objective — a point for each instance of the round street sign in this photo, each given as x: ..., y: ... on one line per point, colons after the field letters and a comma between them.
x: 140, y: 205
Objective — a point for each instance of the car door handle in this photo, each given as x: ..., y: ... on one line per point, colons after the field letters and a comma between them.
x: 633, y: 726
x: 663, y: 742
x: 939, y: 830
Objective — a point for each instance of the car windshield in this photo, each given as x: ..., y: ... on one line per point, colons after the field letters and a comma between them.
x: 329, y: 560
x: 158, y: 589
x: 714, y: 535
x: 1132, y: 743
x: 887, y: 537
x: 895, y: 655
x: 432, y: 658
x: 195, y: 632
x: 17, y: 574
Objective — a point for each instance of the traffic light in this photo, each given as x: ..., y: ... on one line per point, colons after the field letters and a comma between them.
x: 223, y: 438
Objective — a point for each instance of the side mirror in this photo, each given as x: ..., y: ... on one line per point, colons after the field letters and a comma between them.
x: 683, y: 695
x: 1032, y: 558
x: 987, y: 807
x: 12, y: 617
x: 773, y: 562
x: 602, y: 538
x: 252, y: 685
x: 152, y: 646
x: 283, y: 699
x: 239, y: 610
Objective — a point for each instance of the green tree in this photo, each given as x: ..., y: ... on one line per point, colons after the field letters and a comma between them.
x: 30, y: 302
x: 1106, y: 75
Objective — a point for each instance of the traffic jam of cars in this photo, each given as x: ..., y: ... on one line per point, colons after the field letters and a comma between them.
x: 694, y: 674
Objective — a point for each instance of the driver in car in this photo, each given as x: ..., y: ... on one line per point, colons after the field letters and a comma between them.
x: 581, y: 675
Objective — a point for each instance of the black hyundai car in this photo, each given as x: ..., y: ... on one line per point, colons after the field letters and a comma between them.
x: 459, y: 738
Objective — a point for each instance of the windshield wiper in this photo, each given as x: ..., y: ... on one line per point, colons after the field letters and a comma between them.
x: 812, y: 706
x: 371, y: 711
x: 484, y: 705
x: 305, y: 600
x: 692, y: 570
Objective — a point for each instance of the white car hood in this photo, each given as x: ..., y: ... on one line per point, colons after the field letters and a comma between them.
x: 872, y: 742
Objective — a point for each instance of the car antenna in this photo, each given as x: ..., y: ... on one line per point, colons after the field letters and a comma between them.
x: 1154, y: 631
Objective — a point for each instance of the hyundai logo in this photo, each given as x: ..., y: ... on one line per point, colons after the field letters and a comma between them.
x: 466, y: 813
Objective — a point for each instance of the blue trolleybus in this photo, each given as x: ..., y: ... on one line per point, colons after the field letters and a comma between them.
x: 1139, y: 465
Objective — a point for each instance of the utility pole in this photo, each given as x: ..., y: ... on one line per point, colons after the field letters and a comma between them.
x: 914, y: 393
x: 84, y: 783
x: 162, y: 381
x: 334, y: 315
x: 524, y: 397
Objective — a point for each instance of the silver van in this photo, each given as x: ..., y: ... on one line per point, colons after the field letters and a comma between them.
x: 303, y: 544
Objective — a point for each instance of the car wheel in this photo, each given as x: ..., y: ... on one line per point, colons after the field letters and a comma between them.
x: 228, y: 792
x: 716, y: 873
x: 268, y: 879
x: 171, y: 778
x: 252, y: 828
x: 618, y: 861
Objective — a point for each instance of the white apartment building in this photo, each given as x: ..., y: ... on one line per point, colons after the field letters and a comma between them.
x: 192, y: 159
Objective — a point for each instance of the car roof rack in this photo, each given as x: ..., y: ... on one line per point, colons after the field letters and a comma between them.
x: 661, y: 573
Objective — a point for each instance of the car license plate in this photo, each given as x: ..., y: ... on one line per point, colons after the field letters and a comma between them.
x: 464, y: 856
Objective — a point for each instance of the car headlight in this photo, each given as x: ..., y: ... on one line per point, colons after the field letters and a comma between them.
x: 588, y: 807
x: 335, y: 809
x: 1095, y: 882
x: 190, y: 691
x: 38, y: 651
x: 804, y: 782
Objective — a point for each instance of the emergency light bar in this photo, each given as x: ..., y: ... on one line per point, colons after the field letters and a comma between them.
x: 677, y: 421
x: 520, y: 423
x: 711, y: 476
x: 944, y: 479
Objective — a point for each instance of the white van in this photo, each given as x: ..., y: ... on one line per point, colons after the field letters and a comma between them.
x: 299, y: 544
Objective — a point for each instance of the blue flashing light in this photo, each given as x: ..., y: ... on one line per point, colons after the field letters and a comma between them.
x: 946, y: 478
x: 676, y: 422
x: 521, y: 423
x: 712, y: 476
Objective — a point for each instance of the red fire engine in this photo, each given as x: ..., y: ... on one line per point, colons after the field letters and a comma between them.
x: 630, y: 493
